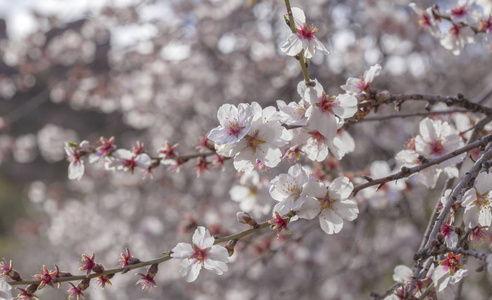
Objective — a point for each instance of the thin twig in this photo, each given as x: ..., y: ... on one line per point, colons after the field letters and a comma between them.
x: 405, y: 171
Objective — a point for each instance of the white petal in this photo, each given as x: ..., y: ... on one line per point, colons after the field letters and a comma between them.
x: 310, y: 209
x: 202, y: 238
x: 182, y: 250
x: 330, y: 222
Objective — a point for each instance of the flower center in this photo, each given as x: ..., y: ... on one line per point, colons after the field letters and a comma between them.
x: 326, y: 104
x: 317, y: 137
x: 437, y: 148
x: 254, y: 141
x: 307, y: 32
x: 327, y: 202
x: 234, y: 129
x: 200, y: 254
x: 483, y: 202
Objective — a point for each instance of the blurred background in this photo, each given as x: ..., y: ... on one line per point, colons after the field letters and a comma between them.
x: 157, y: 71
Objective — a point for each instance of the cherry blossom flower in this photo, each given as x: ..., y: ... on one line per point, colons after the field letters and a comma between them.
x: 427, y: 20
x: 304, y: 40
x: 262, y: 143
x: 105, y: 148
x: 449, y: 272
x: 330, y: 203
x: 293, y: 114
x: 457, y: 37
x: 203, y: 253
x: 249, y: 192
x: 436, y: 138
x: 324, y: 110
x: 235, y: 123
x: 287, y: 189
x: 5, y: 290
x: 127, y: 160
x: 346, y: 140
x: 478, y: 202
x: 74, y: 156
x: 466, y: 12
x: 362, y: 84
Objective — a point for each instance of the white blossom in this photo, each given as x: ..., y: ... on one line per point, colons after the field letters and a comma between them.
x: 235, y: 123
x: 287, y: 189
x: 304, y: 40
x: 127, y: 160
x: 435, y: 139
x: 262, y: 143
x: 250, y: 192
x: 427, y: 20
x: 5, y: 290
x: 457, y: 37
x: 330, y: 203
x: 362, y: 84
x: 203, y: 253
x: 478, y: 202
x: 324, y: 111
x: 74, y: 156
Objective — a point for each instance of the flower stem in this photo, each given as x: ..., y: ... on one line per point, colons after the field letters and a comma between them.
x: 302, y: 61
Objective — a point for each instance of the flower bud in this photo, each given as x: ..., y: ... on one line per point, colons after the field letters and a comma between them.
x: 230, y: 247
x: 245, y: 218
x: 382, y: 95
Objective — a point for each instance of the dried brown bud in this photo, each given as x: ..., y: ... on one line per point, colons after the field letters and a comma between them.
x: 152, y: 271
x: 31, y: 289
x: 98, y: 268
x: 134, y: 260
x: 459, y: 231
x: 84, y: 284
x: 440, y: 238
x: 14, y: 275
x: 64, y: 274
x: 230, y: 247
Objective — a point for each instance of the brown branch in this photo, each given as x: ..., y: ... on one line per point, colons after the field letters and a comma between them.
x: 405, y: 171
x: 459, y: 101
x: 167, y: 257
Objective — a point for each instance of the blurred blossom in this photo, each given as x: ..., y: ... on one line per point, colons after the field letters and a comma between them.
x: 51, y: 139
x: 25, y: 148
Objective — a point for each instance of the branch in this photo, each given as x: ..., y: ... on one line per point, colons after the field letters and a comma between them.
x: 405, y: 171
x: 459, y: 101
x: 141, y: 264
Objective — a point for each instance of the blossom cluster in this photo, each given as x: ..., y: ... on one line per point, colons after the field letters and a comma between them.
x: 458, y: 25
